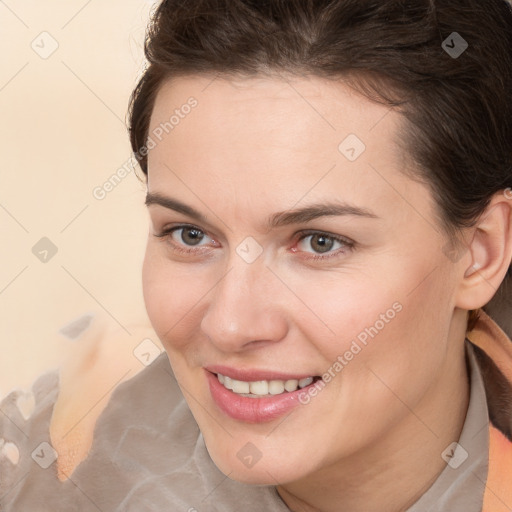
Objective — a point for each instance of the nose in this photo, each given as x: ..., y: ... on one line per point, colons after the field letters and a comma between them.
x: 244, y: 310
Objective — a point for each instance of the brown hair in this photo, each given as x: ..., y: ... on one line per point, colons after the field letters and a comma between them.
x: 406, y: 54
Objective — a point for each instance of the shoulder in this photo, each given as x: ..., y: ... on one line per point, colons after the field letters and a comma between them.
x: 144, y: 430
x: 24, y: 411
x: 24, y: 431
x: 146, y: 434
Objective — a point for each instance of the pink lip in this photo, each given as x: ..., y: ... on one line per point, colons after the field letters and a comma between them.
x: 253, y: 410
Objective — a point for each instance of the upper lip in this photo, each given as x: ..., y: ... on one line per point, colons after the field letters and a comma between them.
x: 254, y: 374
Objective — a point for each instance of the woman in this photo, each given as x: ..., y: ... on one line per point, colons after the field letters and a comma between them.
x: 329, y: 192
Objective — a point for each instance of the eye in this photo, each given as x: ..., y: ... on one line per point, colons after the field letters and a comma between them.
x: 185, y: 238
x: 188, y: 235
x: 189, y: 239
x: 323, y: 245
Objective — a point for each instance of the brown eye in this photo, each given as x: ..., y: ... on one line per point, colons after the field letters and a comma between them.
x: 183, y: 237
x: 320, y: 246
x: 190, y: 236
x: 321, y: 243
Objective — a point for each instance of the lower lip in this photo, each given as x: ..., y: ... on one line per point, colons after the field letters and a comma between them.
x: 253, y: 410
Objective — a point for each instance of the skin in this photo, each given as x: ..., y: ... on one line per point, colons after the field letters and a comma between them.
x: 372, y: 438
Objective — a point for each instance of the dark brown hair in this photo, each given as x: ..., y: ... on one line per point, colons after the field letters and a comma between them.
x: 406, y: 54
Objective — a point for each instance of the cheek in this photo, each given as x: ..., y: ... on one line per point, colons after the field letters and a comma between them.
x: 171, y: 296
x: 406, y: 353
x: 394, y: 325
x: 343, y: 309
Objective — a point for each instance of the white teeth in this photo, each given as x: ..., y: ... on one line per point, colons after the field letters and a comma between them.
x: 291, y: 385
x: 240, y: 386
x: 263, y: 387
x: 276, y: 387
x: 228, y: 383
x: 305, y: 382
x: 260, y: 387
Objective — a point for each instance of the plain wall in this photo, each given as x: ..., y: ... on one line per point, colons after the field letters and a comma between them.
x: 62, y: 134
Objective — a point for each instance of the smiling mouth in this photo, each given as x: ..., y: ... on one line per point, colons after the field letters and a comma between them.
x: 264, y: 388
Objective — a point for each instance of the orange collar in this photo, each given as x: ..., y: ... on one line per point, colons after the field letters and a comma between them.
x: 497, y: 345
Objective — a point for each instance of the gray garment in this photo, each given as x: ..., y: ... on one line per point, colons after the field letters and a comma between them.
x: 149, y: 455
x: 461, y: 485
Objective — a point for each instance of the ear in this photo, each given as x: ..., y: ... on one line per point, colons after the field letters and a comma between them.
x: 489, y: 253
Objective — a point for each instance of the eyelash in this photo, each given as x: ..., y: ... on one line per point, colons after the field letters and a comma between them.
x: 348, y: 244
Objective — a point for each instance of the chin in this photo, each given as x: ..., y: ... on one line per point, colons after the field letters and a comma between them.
x: 265, y: 471
x: 252, y: 477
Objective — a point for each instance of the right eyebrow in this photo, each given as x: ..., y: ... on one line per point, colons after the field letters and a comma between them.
x: 174, y: 204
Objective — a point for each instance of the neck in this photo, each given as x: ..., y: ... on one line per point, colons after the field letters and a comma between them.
x: 393, y: 473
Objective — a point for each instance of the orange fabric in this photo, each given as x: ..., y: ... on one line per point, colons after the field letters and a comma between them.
x: 102, y: 360
x: 498, y: 490
x: 493, y: 340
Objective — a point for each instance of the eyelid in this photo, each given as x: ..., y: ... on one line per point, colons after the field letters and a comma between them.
x: 340, y: 238
x: 177, y: 225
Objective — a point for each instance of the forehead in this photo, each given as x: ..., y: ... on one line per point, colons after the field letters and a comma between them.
x: 277, y: 111
x: 281, y: 138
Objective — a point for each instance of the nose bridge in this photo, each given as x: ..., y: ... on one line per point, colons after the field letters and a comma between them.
x: 242, y: 307
x: 231, y: 292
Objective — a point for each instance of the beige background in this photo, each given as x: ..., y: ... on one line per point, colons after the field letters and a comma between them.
x: 63, y: 133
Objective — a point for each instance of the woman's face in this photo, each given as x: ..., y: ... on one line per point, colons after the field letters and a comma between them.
x: 357, y: 288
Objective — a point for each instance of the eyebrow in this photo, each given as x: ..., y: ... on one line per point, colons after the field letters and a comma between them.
x: 296, y: 216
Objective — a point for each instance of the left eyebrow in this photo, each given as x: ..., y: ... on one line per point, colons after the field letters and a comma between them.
x: 314, y: 211
x: 284, y: 218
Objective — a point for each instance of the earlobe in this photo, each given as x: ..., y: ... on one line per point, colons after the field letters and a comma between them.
x: 491, y: 254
